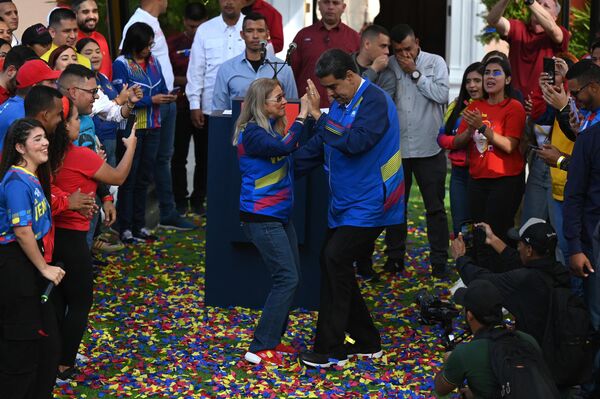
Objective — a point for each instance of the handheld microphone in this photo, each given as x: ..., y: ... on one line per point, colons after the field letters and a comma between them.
x: 288, y: 57
x: 47, y: 292
x: 50, y: 287
x: 263, y: 50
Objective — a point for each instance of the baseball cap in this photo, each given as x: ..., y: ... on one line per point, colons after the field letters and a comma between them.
x: 483, y: 299
x: 36, y: 34
x: 537, y: 233
x: 33, y: 72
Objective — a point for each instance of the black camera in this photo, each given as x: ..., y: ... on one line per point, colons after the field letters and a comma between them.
x: 433, y: 310
x: 472, y: 235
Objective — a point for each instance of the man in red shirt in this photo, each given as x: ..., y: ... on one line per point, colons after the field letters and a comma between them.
x: 179, y: 53
x: 87, y: 20
x: 530, y: 43
x: 273, y: 18
x: 314, y: 40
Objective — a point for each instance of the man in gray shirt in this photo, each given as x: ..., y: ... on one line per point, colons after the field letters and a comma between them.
x: 373, y: 57
x: 421, y: 95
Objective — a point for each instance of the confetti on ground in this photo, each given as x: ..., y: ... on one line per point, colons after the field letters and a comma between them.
x: 151, y: 336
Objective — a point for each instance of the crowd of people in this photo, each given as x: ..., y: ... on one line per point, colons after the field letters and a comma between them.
x: 85, y: 133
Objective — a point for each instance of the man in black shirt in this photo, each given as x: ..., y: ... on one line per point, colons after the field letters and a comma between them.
x: 524, y: 287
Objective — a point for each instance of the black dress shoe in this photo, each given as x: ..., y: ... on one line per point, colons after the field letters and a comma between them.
x: 393, y: 265
x: 313, y: 359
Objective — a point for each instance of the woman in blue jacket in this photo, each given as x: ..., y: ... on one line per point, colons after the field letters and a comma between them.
x: 266, y: 201
x: 137, y: 65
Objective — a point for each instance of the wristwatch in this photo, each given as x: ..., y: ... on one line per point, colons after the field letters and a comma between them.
x: 481, y: 129
x: 528, y: 2
x: 415, y: 75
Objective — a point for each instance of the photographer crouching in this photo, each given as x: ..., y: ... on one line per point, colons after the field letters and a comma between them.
x: 524, y: 286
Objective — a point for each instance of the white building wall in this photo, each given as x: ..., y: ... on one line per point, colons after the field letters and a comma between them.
x: 462, y: 48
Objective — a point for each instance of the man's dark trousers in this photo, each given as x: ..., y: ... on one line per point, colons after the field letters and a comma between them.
x: 430, y: 173
x: 342, y: 308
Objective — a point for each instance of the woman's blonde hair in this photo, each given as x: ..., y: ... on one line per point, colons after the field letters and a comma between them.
x: 253, y: 109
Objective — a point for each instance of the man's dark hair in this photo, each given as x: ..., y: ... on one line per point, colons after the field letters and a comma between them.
x: 18, y: 55
x: 137, y: 38
x: 401, y: 32
x: 373, y: 31
x: 594, y: 46
x: 195, y: 11
x: 585, y: 71
x: 77, y: 71
x: 59, y: 15
x: 76, y: 3
x: 253, y: 16
x: 335, y: 62
x: 40, y: 98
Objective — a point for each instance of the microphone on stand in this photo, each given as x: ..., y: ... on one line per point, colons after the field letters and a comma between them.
x: 288, y: 57
x: 263, y: 51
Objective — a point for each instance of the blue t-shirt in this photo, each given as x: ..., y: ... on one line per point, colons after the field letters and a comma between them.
x: 11, y: 110
x: 22, y: 203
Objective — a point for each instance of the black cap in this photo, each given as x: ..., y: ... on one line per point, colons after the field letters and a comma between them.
x: 483, y: 299
x: 36, y: 34
x: 537, y: 233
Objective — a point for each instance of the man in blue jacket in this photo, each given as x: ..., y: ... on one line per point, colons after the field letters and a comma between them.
x: 358, y: 142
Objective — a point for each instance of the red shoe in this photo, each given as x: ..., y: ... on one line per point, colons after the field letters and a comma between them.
x: 268, y: 356
x: 283, y: 348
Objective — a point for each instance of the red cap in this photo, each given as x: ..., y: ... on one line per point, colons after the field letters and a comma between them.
x: 33, y: 72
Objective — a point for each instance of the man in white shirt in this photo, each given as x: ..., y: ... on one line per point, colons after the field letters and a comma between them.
x: 10, y: 15
x: 216, y: 41
x: 148, y: 13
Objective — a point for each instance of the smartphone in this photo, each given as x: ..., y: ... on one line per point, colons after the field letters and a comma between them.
x: 175, y: 90
x: 466, y: 230
x: 574, y: 109
x: 549, y: 68
x: 534, y: 147
x: 129, y: 125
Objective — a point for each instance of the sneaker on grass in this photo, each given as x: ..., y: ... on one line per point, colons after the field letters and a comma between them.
x: 176, y: 222
x: 144, y: 235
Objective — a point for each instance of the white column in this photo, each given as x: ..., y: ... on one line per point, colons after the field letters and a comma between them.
x: 295, y: 18
x: 462, y: 46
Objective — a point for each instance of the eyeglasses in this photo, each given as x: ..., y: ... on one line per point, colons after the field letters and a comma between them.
x: 493, y: 73
x: 277, y: 99
x: 93, y: 91
x: 575, y: 93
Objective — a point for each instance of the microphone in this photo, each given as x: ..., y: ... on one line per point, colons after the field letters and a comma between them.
x: 47, y: 292
x: 50, y: 287
x: 288, y: 57
x: 263, y: 50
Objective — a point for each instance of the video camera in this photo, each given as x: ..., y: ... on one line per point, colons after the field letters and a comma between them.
x: 433, y: 310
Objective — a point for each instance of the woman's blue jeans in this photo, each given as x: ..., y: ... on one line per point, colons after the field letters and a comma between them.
x: 278, y: 247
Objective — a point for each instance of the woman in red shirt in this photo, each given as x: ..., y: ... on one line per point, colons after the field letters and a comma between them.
x: 81, y: 168
x: 492, y: 128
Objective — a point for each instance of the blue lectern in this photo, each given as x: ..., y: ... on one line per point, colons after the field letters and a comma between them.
x: 235, y: 273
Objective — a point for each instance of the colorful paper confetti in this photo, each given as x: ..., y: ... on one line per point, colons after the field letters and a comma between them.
x: 150, y: 335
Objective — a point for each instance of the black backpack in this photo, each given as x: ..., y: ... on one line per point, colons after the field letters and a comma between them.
x: 518, y: 367
x: 567, y: 342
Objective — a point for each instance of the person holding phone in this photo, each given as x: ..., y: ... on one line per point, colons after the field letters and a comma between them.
x: 491, y: 130
x: 81, y: 169
x: 471, y: 89
x: 264, y: 149
x: 137, y: 65
x: 24, y: 220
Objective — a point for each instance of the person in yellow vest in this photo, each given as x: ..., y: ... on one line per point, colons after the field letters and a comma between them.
x: 62, y: 26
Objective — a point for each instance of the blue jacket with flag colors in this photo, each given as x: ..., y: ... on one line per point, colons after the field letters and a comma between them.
x: 359, y: 144
x: 267, y: 171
